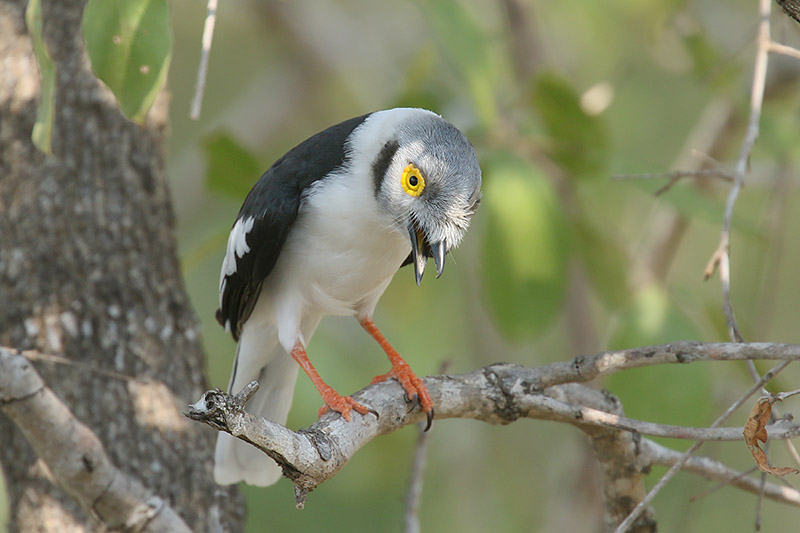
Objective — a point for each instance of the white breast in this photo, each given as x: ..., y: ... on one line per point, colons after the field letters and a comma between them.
x: 342, y: 248
x: 338, y: 259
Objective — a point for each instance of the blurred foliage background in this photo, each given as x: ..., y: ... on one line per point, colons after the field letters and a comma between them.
x: 562, y: 260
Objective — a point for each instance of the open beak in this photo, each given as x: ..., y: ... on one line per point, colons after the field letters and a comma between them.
x: 421, y: 250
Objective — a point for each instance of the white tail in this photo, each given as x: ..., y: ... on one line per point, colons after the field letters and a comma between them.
x: 260, y: 357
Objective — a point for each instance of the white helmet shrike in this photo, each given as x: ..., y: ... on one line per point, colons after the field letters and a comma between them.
x: 322, y: 232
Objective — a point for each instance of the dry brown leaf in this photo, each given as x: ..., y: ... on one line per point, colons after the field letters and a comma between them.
x: 755, y: 429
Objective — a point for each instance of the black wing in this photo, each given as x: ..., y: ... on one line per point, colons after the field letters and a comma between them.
x: 273, y: 203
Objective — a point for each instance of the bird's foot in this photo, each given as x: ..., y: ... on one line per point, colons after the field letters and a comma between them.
x: 342, y: 405
x: 415, y: 389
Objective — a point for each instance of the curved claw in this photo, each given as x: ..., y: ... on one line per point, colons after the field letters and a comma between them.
x: 429, y: 415
x: 416, y: 400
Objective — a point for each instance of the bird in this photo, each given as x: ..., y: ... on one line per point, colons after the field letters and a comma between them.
x: 322, y: 232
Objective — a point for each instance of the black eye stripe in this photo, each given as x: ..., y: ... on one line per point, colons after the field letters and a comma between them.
x: 381, y: 163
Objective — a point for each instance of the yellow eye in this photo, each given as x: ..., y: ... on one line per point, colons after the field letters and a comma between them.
x: 412, y: 181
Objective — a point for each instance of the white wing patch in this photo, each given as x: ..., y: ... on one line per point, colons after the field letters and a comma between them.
x: 237, y: 247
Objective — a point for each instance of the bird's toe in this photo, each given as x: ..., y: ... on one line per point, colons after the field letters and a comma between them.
x: 343, y: 405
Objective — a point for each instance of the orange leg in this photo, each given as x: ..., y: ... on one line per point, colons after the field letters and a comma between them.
x: 333, y: 400
x: 413, y: 385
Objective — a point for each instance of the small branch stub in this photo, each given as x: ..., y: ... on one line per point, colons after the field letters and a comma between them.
x: 216, y: 407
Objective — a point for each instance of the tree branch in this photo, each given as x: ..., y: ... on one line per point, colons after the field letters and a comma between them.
x: 74, y: 455
x: 498, y: 394
x: 582, y: 369
x: 547, y: 408
x: 711, y: 469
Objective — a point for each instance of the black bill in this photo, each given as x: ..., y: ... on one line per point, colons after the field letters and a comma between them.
x: 421, y: 250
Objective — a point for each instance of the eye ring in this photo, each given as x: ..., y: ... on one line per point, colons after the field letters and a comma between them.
x: 412, y: 181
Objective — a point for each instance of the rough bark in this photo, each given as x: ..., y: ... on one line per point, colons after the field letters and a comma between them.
x: 74, y: 456
x: 88, y: 269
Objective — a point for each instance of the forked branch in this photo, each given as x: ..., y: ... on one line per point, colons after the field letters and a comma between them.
x: 497, y: 394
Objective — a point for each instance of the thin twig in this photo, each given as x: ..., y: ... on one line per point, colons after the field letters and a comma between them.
x: 712, y: 469
x: 414, y: 495
x: 675, y: 176
x: 721, y: 256
x: 779, y: 48
x: 793, y: 452
x: 751, y: 367
x: 727, y: 482
x: 548, y: 408
x: 780, y: 396
x: 642, y: 505
x: 725, y: 279
x: 762, y: 486
x: 202, y: 70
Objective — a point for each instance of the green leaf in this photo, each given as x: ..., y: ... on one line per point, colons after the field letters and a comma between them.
x: 704, y: 57
x: 526, y: 247
x: 42, y: 134
x: 578, y: 142
x: 129, y: 45
x: 604, y: 261
x: 465, y: 46
x: 669, y: 394
x: 230, y: 168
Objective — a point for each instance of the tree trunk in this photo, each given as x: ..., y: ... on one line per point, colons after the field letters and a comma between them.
x: 88, y: 270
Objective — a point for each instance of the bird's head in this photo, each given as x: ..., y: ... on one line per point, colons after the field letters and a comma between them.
x: 428, y: 179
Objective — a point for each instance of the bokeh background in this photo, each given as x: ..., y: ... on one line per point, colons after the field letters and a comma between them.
x: 562, y: 260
